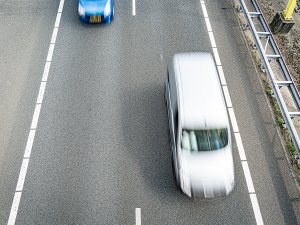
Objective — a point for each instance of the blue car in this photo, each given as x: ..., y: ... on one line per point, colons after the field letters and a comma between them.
x: 96, y: 11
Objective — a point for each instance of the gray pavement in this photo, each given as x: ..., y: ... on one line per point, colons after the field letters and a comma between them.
x: 101, y: 147
x: 25, y: 33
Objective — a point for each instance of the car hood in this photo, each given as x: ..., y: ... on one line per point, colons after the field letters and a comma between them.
x: 93, y: 6
x: 210, y: 173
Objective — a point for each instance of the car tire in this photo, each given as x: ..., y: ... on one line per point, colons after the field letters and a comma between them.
x: 176, y: 175
x: 113, y: 13
x: 165, y: 94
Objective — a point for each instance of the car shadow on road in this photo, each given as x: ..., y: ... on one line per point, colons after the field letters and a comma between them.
x: 145, y: 131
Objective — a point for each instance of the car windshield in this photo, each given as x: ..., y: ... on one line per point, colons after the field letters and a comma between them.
x: 204, y: 140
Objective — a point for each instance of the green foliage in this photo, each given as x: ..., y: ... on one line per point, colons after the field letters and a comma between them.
x: 268, y: 90
x: 280, y: 121
x: 291, y: 147
x: 277, y: 110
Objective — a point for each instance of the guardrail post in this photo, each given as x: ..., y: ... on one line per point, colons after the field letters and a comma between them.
x: 283, y: 22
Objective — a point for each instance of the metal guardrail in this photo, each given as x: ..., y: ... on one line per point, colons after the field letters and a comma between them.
x: 271, y: 57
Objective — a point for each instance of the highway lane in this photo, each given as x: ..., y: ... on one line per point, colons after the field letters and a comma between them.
x: 24, y: 40
x: 101, y: 148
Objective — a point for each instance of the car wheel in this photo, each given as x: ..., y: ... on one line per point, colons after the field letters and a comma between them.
x: 165, y: 98
x: 112, y: 13
x: 176, y: 175
x: 165, y: 93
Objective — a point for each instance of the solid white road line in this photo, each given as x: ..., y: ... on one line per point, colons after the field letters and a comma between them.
x: 61, y: 6
x: 133, y: 7
x: 217, y: 57
x: 254, y: 202
x: 212, y: 39
x: 256, y: 209
x: 36, y: 115
x: 41, y: 93
x: 54, y: 35
x: 221, y: 75
x: 204, y: 10
x: 46, y: 71
x: 57, y: 21
x: 138, y: 217
x: 233, y: 120
x: 22, y: 175
x: 248, y: 177
x: 240, y: 146
x: 50, y: 52
x: 29, y: 144
x: 208, y: 25
x: 227, y: 97
x: 14, y: 208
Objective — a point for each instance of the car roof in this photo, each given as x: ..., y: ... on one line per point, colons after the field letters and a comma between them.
x: 201, y: 102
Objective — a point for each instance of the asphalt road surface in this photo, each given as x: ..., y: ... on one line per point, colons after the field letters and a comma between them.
x: 101, y: 146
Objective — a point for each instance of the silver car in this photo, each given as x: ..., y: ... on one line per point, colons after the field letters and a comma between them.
x: 199, y: 127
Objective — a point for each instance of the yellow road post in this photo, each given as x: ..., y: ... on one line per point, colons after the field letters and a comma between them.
x: 288, y: 12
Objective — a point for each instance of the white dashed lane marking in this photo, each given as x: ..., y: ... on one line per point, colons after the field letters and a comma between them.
x: 133, y: 7
x: 138, y: 217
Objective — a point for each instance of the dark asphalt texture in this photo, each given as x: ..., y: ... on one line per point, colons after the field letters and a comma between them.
x: 101, y: 147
